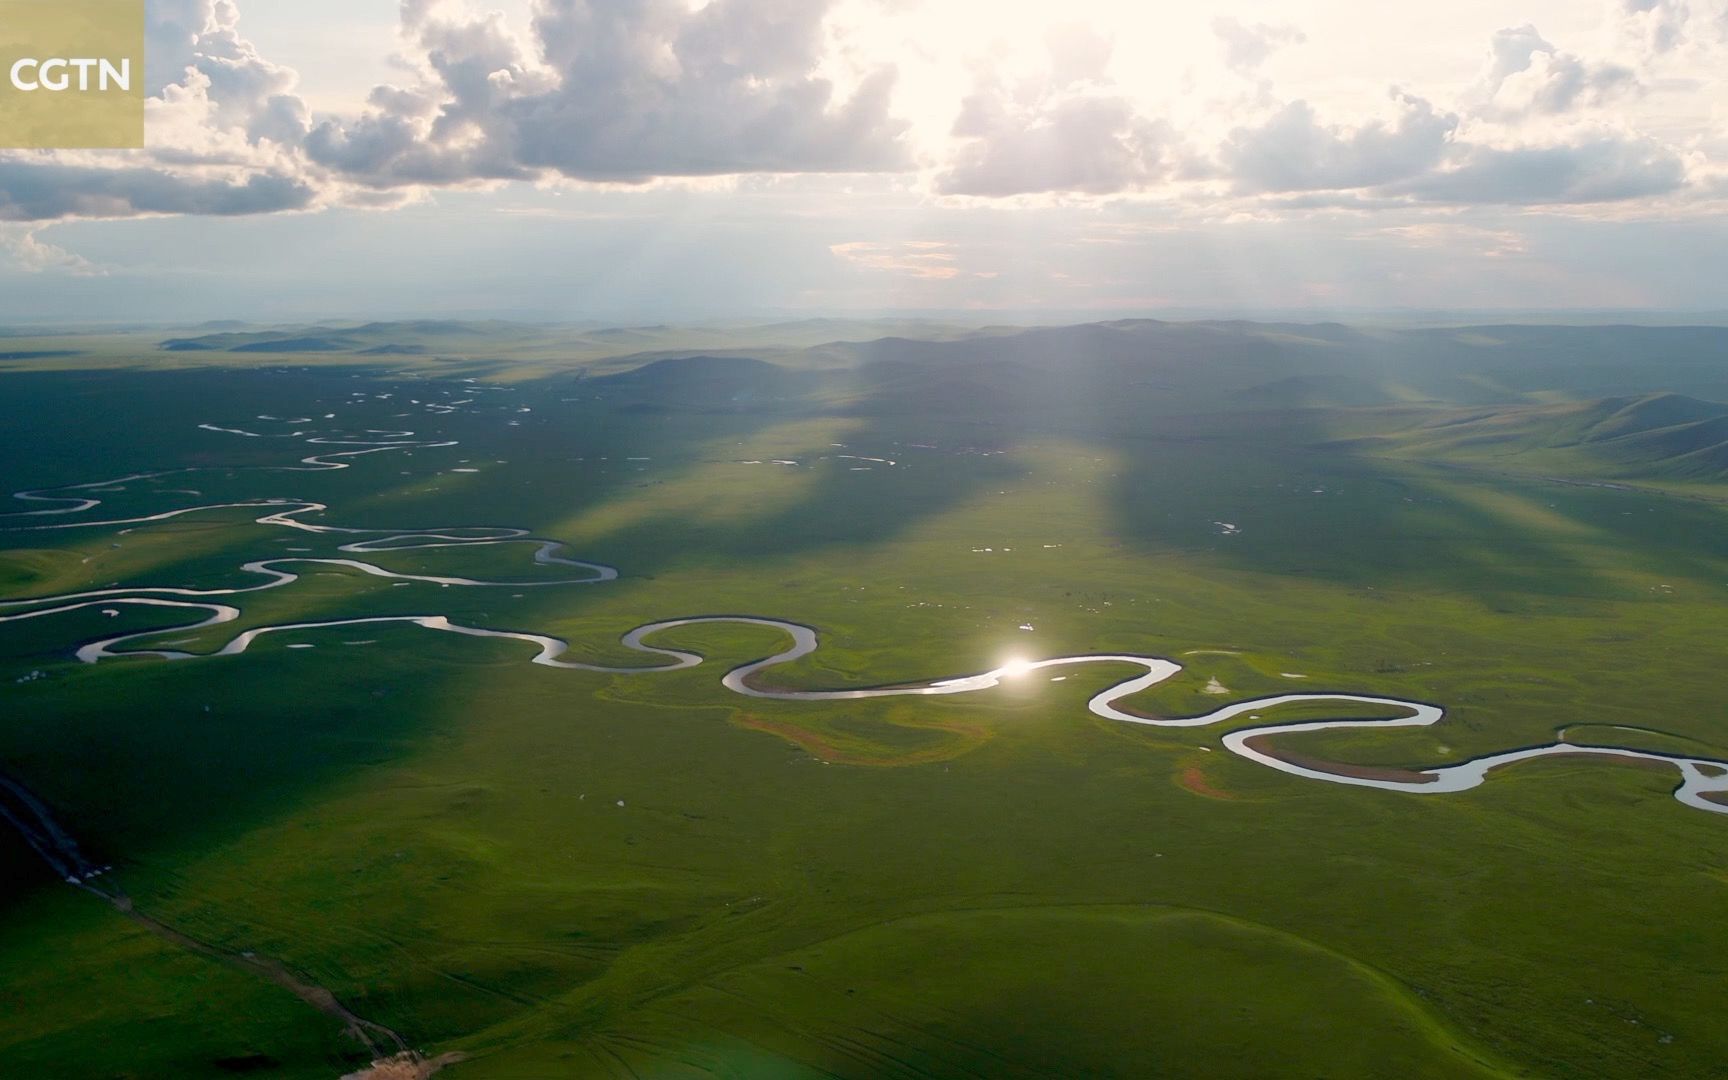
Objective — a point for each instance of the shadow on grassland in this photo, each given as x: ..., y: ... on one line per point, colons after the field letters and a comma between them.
x: 147, y: 758
x: 1357, y: 521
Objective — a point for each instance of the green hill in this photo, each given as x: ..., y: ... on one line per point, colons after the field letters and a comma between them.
x: 1652, y: 436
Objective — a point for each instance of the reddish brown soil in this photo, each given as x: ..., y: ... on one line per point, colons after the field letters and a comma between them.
x: 1195, y: 780
x: 404, y: 1067
x: 845, y: 751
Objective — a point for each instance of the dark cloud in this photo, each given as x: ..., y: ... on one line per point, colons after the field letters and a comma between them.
x: 44, y: 190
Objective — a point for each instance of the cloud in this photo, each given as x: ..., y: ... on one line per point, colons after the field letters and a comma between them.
x: 929, y: 260
x: 1604, y: 168
x: 50, y: 190
x: 1422, y: 156
x: 1246, y: 47
x: 609, y: 90
x: 1663, y: 26
x: 224, y: 128
x: 1293, y: 151
x: 1094, y: 144
x: 620, y: 91
x: 1485, y: 242
x: 1078, y: 53
x: 1527, y: 75
x: 1067, y: 131
x: 631, y: 91
x: 31, y: 254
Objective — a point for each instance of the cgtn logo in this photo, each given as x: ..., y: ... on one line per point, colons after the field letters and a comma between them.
x: 72, y: 74
x: 56, y: 75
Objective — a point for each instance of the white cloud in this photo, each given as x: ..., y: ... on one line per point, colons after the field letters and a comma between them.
x: 223, y: 129
x: 1294, y: 151
x: 619, y: 92
x: 1528, y: 76
x: 1662, y: 26
x: 612, y: 90
x: 1088, y: 143
x: 629, y: 91
x: 1602, y: 168
x: 1065, y: 129
x: 33, y: 255
x: 1247, y: 46
x: 927, y: 260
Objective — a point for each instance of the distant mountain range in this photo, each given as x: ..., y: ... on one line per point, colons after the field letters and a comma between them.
x: 1667, y: 436
x: 1624, y: 399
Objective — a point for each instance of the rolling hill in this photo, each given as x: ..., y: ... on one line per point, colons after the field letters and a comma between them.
x: 1654, y: 436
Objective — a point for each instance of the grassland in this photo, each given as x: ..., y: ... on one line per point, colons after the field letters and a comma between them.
x: 571, y: 874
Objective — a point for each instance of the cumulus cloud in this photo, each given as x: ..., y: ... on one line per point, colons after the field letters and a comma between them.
x: 1604, y: 168
x: 224, y: 126
x: 1246, y: 46
x: 628, y: 91
x: 1294, y: 151
x: 623, y: 91
x: 1527, y: 75
x: 49, y: 190
x: 1068, y: 131
x: 30, y: 253
x: 1662, y: 26
x: 608, y: 90
x: 1422, y: 156
x: 1095, y: 144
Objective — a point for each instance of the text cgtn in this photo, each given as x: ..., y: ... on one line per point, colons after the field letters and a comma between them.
x: 56, y: 75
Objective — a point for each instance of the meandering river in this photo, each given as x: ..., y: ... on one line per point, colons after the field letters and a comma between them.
x: 1703, y: 782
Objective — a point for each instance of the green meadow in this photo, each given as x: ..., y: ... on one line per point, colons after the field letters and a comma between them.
x: 558, y: 873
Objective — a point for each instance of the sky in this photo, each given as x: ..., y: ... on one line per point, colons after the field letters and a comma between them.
x: 657, y: 160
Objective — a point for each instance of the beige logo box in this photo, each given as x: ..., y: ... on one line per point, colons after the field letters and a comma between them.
x: 71, y: 74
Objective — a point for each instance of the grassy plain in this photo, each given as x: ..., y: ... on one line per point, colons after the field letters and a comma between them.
x: 570, y: 874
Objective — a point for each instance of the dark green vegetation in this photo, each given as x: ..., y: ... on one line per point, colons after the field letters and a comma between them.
x: 993, y: 885
x: 1668, y: 438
